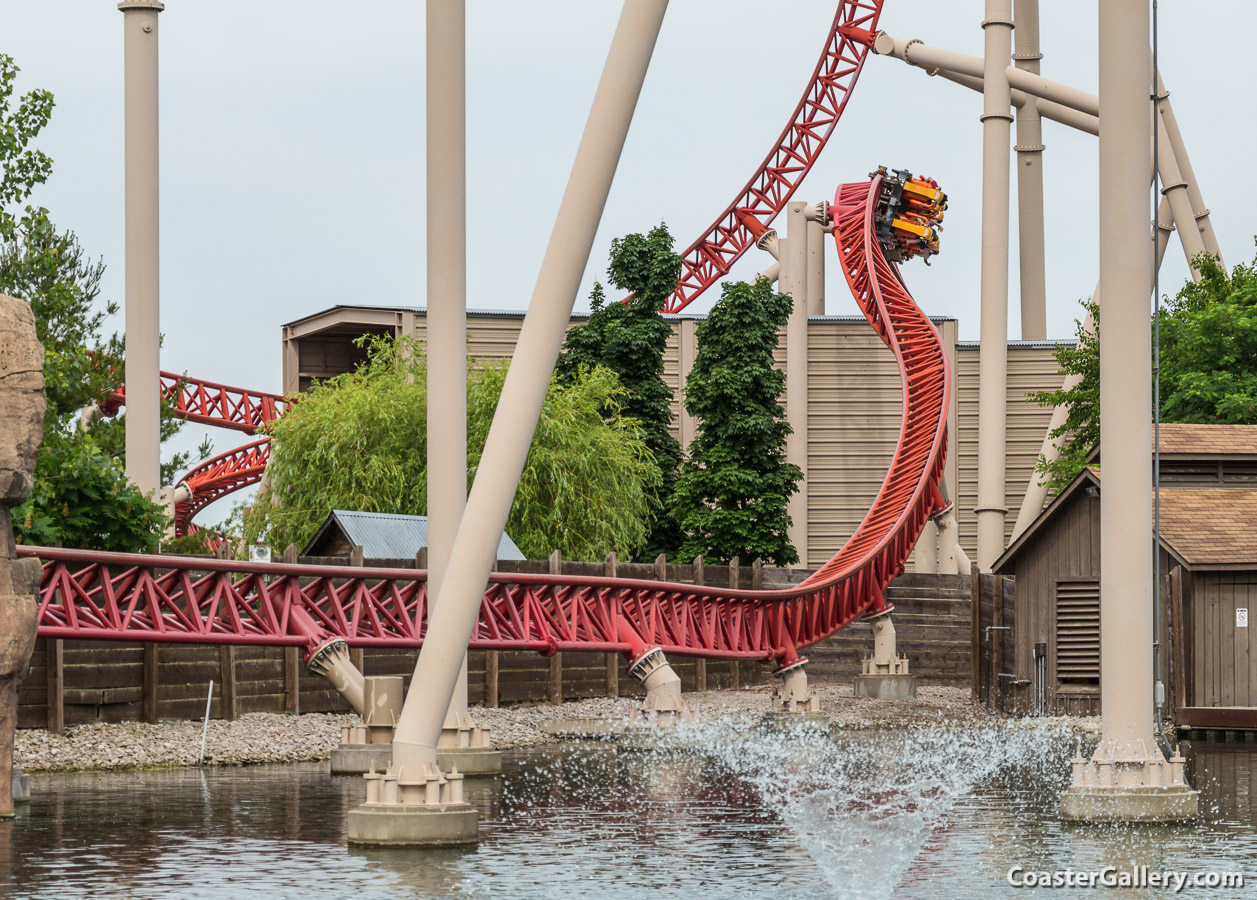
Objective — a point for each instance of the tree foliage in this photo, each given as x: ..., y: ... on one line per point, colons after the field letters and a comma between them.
x: 630, y: 339
x: 1081, y: 429
x: 81, y: 497
x: 1208, y: 365
x: 733, y: 489
x: 359, y: 441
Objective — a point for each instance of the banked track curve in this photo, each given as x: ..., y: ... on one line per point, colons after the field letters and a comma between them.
x: 86, y: 594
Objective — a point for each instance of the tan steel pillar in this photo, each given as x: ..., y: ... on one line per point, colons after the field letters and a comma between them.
x: 1179, y: 149
x: 993, y: 356
x: 143, y: 326
x: 475, y: 546
x: 1125, y: 379
x: 816, y: 245
x: 1029, y: 149
x: 794, y: 281
x: 447, y: 297
x: 1174, y: 189
x: 687, y: 352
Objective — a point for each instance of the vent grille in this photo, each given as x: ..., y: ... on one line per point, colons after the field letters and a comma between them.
x: 1078, y: 632
x: 1239, y: 472
x: 1201, y: 472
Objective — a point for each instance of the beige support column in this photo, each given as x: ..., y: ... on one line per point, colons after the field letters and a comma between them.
x: 993, y: 356
x: 687, y: 349
x: 794, y: 277
x: 1174, y: 190
x: 1029, y: 149
x: 143, y: 327
x: 1125, y: 377
x: 1179, y: 149
x: 816, y: 244
x: 1125, y: 777
x: 447, y: 302
x: 489, y: 503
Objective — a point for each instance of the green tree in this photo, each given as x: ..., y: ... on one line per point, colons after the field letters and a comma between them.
x: 359, y: 441
x: 1081, y: 429
x: 81, y: 497
x: 733, y: 489
x: 630, y: 339
x: 1208, y: 365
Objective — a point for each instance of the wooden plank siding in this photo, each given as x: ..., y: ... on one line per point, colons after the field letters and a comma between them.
x: 1031, y: 366
x: 1222, y: 671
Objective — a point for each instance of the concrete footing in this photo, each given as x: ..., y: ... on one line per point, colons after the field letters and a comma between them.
x: 471, y: 761
x: 444, y: 825
x: 1100, y: 805
x: 358, y: 759
x: 886, y: 687
x: 21, y: 786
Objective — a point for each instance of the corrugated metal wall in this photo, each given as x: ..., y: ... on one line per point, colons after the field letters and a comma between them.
x: 854, y: 415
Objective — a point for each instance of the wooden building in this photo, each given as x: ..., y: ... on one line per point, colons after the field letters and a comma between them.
x: 854, y: 402
x: 1208, y: 568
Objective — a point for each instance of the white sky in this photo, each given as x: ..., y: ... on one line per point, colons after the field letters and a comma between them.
x: 292, y: 147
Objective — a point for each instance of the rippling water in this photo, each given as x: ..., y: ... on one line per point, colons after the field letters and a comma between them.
x: 728, y: 811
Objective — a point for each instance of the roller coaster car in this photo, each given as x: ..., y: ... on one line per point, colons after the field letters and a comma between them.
x: 909, y: 215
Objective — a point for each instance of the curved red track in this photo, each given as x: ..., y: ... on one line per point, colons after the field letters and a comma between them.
x: 86, y: 594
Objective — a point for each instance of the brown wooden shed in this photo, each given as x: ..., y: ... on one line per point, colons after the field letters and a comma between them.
x: 1208, y: 567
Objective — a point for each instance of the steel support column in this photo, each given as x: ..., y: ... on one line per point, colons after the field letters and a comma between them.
x: 475, y: 546
x: 993, y: 357
x: 142, y: 306
x: 1126, y: 379
x: 1029, y: 149
x: 447, y: 297
x: 794, y: 281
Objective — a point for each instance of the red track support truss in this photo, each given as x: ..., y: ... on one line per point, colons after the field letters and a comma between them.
x: 211, y: 404
x: 86, y: 594
x: 217, y: 477
x: 709, y: 258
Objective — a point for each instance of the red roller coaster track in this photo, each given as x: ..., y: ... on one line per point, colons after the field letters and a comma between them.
x: 86, y: 594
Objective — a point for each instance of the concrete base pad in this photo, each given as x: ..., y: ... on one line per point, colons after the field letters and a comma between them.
x: 1098, y: 805
x: 886, y: 687
x: 583, y: 728
x: 779, y: 720
x: 21, y: 786
x: 470, y: 760
x: 414, y: 826
x: 357, y: 759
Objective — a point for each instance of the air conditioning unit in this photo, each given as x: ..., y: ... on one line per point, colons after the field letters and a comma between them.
x: 259, y: 553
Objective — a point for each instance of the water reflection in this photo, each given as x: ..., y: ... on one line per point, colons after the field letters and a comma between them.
x: 731, y: 812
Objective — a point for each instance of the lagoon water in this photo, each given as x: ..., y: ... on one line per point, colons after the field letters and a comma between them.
x: 724, y: 811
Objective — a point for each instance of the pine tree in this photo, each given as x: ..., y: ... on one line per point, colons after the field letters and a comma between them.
x: 733, y: 489
x: 629, y: 339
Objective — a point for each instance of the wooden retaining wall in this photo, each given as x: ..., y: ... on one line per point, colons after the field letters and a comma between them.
x: 78, y: 682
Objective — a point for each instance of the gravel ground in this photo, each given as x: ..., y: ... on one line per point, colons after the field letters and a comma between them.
x: 267, y: 737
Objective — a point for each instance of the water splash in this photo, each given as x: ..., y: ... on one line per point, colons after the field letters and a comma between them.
x: 863, y: 803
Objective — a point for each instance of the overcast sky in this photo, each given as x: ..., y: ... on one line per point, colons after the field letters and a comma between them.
x: 292, y: 146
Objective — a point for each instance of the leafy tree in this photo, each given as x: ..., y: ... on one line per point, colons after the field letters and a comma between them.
x: 1209, y: 348
x: 81, y: 497
x: 1208, y: 365
x: 1081, y: 429
x: 733, y: 489
x: 630, y: 339
x: 358, y: 441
